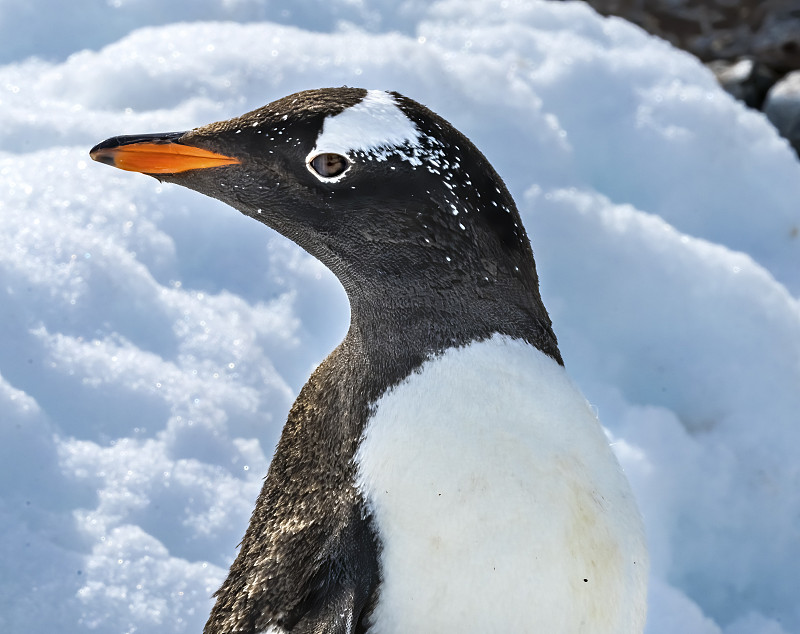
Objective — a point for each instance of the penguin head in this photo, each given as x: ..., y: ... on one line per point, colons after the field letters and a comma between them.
x: 387, y: 194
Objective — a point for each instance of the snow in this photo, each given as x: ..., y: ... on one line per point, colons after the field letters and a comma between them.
x: 152, y: 340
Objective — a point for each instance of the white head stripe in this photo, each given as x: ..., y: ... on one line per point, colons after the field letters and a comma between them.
x: 372, y: 125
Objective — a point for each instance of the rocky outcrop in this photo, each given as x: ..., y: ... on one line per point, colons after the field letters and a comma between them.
x: 767, y: 31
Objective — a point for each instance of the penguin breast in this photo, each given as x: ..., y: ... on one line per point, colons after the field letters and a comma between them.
x: 498, y: 502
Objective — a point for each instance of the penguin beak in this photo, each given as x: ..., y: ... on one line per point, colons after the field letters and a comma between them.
x: 156, y: 154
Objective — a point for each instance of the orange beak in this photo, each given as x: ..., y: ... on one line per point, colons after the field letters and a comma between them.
x: 156, y: 154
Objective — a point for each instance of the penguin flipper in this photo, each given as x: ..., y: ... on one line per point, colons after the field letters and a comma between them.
x: 342, y: 611
x: 340, y: 595
x: 321, y: 583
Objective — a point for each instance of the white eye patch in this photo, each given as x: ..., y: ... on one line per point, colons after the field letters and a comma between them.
x: 375, y: 125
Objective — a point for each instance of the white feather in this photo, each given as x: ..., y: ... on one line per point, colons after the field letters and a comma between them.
x: 499, y: 503
x: 374, y: 125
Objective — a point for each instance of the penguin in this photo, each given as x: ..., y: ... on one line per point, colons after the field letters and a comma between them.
x: 439, y: 472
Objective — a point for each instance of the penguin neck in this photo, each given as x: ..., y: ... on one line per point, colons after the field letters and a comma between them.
x: 412, y: 321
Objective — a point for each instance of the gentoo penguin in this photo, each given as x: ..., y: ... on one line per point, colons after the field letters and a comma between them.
x: 438, y: 472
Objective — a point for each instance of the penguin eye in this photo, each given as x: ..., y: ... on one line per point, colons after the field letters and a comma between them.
x: 329, y: 165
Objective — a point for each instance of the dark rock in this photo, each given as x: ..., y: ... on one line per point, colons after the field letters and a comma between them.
x: 746, y: 79
x: 767, y: 31
x: 777, y: 42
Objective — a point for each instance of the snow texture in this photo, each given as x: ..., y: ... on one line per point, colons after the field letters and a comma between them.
x: 152, y: 339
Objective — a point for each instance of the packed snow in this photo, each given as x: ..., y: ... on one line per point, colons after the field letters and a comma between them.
x: 152, y: 340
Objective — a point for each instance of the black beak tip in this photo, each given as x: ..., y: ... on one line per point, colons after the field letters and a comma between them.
x: 101, y: 157
x: 97, y: 153
x: 114, y: 142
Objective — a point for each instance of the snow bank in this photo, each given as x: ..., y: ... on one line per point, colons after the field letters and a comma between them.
x: 152, y: 340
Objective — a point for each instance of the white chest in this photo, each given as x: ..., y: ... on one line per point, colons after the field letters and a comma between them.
x: 499, y: 503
